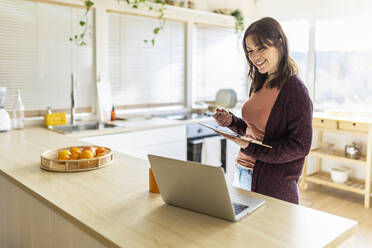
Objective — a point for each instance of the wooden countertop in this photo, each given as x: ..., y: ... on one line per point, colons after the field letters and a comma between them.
x: 114, y: 204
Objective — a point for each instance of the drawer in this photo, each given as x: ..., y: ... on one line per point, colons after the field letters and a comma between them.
x: 353, y: 126
x: 325, y: 123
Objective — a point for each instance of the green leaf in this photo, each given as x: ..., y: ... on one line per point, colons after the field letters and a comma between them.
x: 82, y: 23
x: 82, y: 35
x: 145, y: 41
x: 134, y: 6
x: 88, y: 3
x: 153, y: 42
x: 76, y: 36
x: 156, y: 30
x: 70, y: 38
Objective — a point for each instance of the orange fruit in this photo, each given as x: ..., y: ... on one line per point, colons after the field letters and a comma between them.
x: 100, y: 154
x: 75, y: 156
x: 75, y: 149
x: 86, y: 154
x: 64, y: 157
x: 100, y: 149
x: 64, y: 154
x: 75, y: 152
x: 89, y: 148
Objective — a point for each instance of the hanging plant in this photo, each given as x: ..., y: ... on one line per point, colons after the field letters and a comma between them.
x: 237, y: 14
x: 239, y: 20
x: 79, y: 39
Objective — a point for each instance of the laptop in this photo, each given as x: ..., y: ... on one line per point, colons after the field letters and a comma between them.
x: 201, y: 188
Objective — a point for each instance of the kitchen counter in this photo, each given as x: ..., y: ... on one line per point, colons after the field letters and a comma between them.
x: 113, y: 206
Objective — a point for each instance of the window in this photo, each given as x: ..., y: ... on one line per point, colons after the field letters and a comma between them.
x: 219, y: 63
x: 343, y: 65
x: 37, y: 57
x: 142, y: 75
x: 297, y: 33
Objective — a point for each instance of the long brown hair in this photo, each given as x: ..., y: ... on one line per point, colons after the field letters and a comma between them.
x: 268, y: 32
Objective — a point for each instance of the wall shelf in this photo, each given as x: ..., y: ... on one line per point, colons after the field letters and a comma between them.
x: 343, y: 126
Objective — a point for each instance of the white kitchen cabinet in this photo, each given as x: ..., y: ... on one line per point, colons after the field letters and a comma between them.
x: 169, y: 142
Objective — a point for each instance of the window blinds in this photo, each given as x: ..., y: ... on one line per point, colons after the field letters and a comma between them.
x: 220, y: 63
x: 37, y: 57
x: 141, y: 74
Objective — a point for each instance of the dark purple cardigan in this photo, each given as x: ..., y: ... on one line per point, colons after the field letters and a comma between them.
x: 289, y: 132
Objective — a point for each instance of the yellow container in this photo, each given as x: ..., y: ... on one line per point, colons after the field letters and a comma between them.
x: 55, y: 119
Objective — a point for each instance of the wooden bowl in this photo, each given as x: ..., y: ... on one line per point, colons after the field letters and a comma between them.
x: 50, y: 161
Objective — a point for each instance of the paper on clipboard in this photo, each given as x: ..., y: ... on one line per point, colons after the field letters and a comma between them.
x: 232, y: 134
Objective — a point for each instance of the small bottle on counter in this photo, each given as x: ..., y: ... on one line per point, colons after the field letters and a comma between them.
x: 113, y: 114
x: 18, y: 112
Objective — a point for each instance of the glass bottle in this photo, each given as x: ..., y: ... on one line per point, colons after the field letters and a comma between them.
x: 18, y: 112
x: 113, y: 114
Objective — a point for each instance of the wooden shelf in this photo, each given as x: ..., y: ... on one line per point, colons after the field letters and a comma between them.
x: 346, y: 132
x: 323, y: 178
x: 337, y: 155
x: 175, y: 13
x: 349, y: 125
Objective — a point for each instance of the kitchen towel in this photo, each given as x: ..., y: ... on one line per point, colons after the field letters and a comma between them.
x: 211, y: 151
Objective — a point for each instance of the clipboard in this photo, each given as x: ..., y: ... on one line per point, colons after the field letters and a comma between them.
x: 232, y: 134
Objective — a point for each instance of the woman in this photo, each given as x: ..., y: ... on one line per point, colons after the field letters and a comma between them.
x: 278, y: 112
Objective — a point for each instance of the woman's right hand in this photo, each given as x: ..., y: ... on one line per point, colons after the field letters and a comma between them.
x: 222, y: 117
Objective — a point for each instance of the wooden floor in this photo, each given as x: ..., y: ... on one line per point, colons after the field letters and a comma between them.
x: 345, y: 204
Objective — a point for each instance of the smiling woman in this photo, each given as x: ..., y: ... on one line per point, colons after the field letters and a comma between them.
x: 278, y: 113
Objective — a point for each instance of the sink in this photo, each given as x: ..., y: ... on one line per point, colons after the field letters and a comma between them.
x: 69, y: 128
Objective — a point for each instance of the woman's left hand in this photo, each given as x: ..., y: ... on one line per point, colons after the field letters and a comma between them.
x: 242, y: 143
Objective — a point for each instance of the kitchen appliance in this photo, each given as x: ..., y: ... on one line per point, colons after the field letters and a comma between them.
x: 352, y: 151
x: 197, y: 136
x: 4, y: 116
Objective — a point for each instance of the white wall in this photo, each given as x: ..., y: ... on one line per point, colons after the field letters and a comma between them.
x: 314, y: 9
x: 290, y: 9
x: 211, y: 5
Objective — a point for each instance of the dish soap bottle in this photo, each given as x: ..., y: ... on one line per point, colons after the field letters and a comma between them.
x: 18, y: 112
x: 113, y: 114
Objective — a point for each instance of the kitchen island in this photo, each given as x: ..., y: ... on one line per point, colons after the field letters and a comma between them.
x: 112, y: 207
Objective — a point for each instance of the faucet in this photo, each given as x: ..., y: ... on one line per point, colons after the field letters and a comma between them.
x: 73, y: 96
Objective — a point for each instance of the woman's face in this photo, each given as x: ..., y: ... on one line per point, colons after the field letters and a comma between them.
x: 264, y: 58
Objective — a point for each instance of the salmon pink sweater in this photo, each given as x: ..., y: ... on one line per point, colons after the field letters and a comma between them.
x: 289, y: 131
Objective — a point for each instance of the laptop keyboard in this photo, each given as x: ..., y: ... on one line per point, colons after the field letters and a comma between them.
x: 238, y: 207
